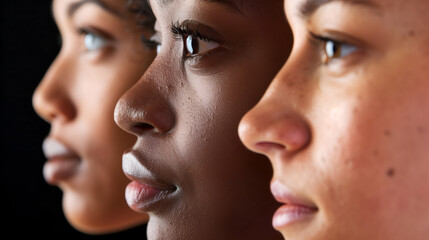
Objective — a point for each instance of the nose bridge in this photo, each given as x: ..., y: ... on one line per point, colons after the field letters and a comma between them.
x: 287, y: 91
x: 276, y: 123
x: 51, y: 98
x: 146, y: 106
x: 292, y: 88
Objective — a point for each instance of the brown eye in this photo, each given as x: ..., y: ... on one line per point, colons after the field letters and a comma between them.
x: 192, y: 45
x: 335, y: 49
x: 196, y: 46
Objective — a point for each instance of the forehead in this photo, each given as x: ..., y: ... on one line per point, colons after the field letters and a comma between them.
x: 307, y: 7
x: 393, y: 11
x: 114, y: 7
x: 246, y: 7
x: 235, y: 4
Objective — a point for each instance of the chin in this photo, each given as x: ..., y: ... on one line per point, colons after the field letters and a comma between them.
x: 88, y: 219
x: 104, y: 225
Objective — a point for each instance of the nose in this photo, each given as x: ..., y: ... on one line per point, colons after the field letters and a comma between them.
x: 273, y: 126
x: 145, y: 108
x: 51, y: 99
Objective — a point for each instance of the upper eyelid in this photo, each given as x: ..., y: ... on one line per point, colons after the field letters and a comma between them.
x: 340, y: 37
x: 196, y: 29
x: 181, y: 29
x: 95, y: 31
x: 150, y: 42
x: 318, y: 39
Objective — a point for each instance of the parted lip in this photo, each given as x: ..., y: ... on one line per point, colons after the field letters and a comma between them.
x: 62, y: 164
x: 136, y: 171
x: 147, y: 192
x: 295, y: 209
x: 284, y: 195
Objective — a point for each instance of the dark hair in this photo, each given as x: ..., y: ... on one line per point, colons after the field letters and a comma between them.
x: 145, y: 18
x: 143, y: 11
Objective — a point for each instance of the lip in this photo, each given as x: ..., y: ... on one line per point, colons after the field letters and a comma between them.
x: 294, y: 210
x: 147, y: 192
x: 62, y: 163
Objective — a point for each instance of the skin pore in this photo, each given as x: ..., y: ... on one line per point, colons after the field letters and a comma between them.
x: 101, y: 57
x: 345, y: 122
x: 189, y: 170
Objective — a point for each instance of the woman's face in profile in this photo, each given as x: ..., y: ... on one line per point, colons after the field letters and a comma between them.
x: 101, y: 57
x: 345, y: 122
x: 189, y: 169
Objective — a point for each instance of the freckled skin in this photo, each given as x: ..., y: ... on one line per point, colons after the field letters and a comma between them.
x: 390, y: 172
x: 363, y: 154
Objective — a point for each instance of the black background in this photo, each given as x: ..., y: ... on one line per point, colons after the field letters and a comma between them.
x: 29, y: 206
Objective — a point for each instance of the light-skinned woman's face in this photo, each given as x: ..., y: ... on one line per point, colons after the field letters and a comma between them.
x: 101, y: 57
x: 345, y: 123
x: 189, y: 169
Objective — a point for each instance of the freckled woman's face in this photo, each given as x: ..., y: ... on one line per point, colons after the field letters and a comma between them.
x: 345, y: 123
x: 100, y: 58
x: 189, y: 169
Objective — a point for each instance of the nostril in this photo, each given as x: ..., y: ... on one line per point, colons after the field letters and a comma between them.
x: 141, y: 127
x: 268, y: 146
x: 50, y: 104
x: 139, y: 113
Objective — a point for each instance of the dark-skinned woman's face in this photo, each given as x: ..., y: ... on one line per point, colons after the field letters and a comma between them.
x: 189, y: 170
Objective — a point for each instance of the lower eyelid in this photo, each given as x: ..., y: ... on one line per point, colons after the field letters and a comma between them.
x: 96, y: 31
x: 206, y: 60
x: 350, y: 49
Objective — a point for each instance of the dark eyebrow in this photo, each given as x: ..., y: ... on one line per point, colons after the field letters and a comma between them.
x: 236, y: 5
x: 310, y: 6
x: 75, y: 6
x: 233, y: 4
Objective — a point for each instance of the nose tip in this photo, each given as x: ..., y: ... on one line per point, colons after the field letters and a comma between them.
x: 52, y: 102
x: 138, y: 114
x: 129, y: 118
x: 267, y: 132
x: 52, y: 98
x: 38, y: 105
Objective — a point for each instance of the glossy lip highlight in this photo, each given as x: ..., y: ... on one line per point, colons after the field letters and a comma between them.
x: 294, y: 209
x: 53, y: 148
x: 146, y: 191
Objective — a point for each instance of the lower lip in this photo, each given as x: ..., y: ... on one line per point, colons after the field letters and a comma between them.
x: 60, y: 169
x: 143, y: 198
x: 289, y: 214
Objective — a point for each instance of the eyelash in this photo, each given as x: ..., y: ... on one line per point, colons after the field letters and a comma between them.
x: 189, y: 28
x: 148, y: 42
x: 185, y: 29
x: 348, y: 48
x: 85, y: 32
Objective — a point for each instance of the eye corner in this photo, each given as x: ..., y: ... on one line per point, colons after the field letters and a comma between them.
x: 93, y: 39
x: 334, y: 48
x: 150, y: 43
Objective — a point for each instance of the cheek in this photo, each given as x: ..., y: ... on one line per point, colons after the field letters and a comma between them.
x: 102, y: 144
x: 374, y: 167
x: 208, y: 110
x: 100, y: 137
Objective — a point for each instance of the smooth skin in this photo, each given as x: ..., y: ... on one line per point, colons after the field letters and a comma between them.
x: 215, y: 60
x: 101, y: 57
x: 345, y: 122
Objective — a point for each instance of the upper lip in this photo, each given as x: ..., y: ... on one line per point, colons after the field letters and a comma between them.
x: 284, y: 195
x: 135, y: 170
x: 55, y: 148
